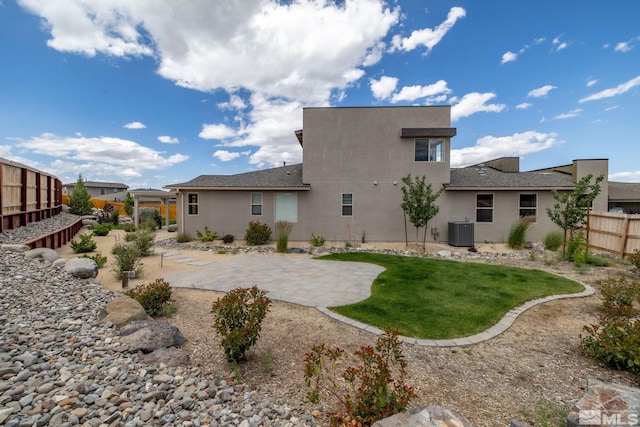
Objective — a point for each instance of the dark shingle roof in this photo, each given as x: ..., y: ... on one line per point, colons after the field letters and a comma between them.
x: 624, y: 191
x: 289, y: 177
x: 489, y: 178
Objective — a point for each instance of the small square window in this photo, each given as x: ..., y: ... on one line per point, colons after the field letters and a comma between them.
x: 256, y: 204
x: 347, y: 204
x: 429, y: 150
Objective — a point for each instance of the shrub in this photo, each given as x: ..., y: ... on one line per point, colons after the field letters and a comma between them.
x: 126, y: 258
x: 553, y: 240
x: 576, y: 249
x: 283, y: 229
x: 597, y: 261
x: 257, y: 233
x: 85, y: 244
x: 80, y: 199
x: 207, y: 236
x: 238, y: 317
x: 98, y: 258
x: 115, y: 217
x: 316, y: 240
x: 615, y: 341
x: 153, y: 297
x: 129, y: 227
x: 634, y: 259
x: 374, y: 390
x: 143, y: 240
x: 183, y: 238
x: 228, y: 239
x: 618, y: 295
x: 101, y: 229
x: 518, y: 233
x: 150, y: 224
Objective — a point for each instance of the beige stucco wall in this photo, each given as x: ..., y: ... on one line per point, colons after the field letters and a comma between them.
x: 595, y: 167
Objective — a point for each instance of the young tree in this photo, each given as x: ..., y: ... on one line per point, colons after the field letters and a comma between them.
x: 570, y: 209
x: 79, y: 200
x: 128, y: 204
x: 418, y: 202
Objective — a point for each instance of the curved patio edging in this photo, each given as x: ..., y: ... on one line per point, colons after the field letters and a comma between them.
x: 504, y: 324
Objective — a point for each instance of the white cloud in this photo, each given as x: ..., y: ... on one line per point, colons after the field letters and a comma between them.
x: 509, y: 57
x: 541, y: 91
x: 630, y: 176
x: 234, y: 103
x: 475, y: 102
x: 135, y: 125
x: 492, y: 147
x: 411, y: 93
x: 592, y: 82
x: 626, y: 46
x: 570, y: 114
x: 226, y: 156
x: 428, y: 37
x: 558, y: 44
x: 615, y: 91
x: 216, y: 131
x: 523, y: 106
x: 384, y: 87
x: 166, y: 139
x: 98, y: 156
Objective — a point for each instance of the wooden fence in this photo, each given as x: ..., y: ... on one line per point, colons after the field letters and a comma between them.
x: 616, y: 233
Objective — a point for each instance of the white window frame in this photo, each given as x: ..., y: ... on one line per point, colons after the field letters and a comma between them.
x: 346, y: 205
x: 534, y: 208
x: 254, y: 204
x: 192, y: 204
x: 491, y: 208
x: 431, y: 150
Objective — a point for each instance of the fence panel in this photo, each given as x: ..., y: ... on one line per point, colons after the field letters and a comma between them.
x: 615, y: 233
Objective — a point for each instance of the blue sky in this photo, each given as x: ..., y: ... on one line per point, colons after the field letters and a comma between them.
x: 156, y: 92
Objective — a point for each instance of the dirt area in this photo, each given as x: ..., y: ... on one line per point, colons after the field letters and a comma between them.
x: 490, y: 383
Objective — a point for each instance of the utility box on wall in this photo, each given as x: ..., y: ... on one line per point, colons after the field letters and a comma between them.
x: 461, y: 233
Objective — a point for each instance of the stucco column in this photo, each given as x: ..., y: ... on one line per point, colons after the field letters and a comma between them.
x: 136, y: 217
x: 166, y: 210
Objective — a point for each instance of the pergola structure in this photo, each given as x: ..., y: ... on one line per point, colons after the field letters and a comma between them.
x: 165, y: 197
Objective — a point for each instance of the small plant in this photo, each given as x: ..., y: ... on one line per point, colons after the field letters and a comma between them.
x: 533, y: 256
x: 228, y: 239
x: 257, y: 233
x: 283, y: 230
x: 615, y: 341
x: 153, y: 297
x: 126, y: 258
x: 85, y: 244
x: 183, y: 238
x: 222, y: 251
x: 143, y: 240
x: 547, y: 414
x: 128, y: 227
x: 597, y: 261
x: 518, y: 233
x: 553, y: 240
x: 634, y: 259
x: 101, y: 229
x: 367, y: 393
x: 207, y: 235
x: 150, y: 224
x: 238, y: 318
x: 316, y: 240
x: 618, y: 296
x: 98, y: 258
x: 115, y: 217
x: 266, y: 361
x: 576, y: 249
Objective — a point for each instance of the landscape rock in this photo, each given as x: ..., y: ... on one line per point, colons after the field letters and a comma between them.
x: 444, y: 254
x: 123, y: 310
x: 604, y: 402
x: 82, y: 268
x: 14, y: 248
x: 171, y: 356
x: 150, y: 335
x: 45, y: 255
x: 426, y: 416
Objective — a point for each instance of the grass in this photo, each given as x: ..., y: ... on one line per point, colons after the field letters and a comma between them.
x: 440, y: 299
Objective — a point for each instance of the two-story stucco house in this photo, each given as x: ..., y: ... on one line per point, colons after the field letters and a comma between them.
x: 349, y: 184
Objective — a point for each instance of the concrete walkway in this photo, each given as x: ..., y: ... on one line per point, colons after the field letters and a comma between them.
x: 317, y: 283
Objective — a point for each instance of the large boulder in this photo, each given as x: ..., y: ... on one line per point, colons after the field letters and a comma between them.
x: 426, y: 416
x: 171, y: 356
x: 606, y: 404
x: 46, y: 255
x: 83, y: 268
x: 150, y: 335
x: 123, y: 310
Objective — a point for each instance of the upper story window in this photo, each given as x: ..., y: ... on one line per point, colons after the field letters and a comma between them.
x: 347, y: 204
x: 429, y: 150
x: 256, y: 204
x: 528, y: 205
x: 484, y: 207
x: 192, y: 203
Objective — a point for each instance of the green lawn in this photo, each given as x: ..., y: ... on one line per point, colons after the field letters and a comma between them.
x: 440, y: 299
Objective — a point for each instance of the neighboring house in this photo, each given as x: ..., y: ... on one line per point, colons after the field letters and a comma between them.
x: 103, y: 190
x: 625, y: 196
x: 348, y: 187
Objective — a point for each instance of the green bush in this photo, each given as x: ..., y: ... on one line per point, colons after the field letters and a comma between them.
x: 238, y: 318
x: 153, y: 297
x: 614, y: 340
x: 98, y: 258
x: 597, y: 261
x: 115, y: 217
x: 553, y: 240
x: 576, y: 249
x: 257, y: 233
x: 183, y: 238
x: 316, y: 240
x: 126, y: 258
x: 85, y: 244
x: 518, y: 233
x: 367, y: 393
x: 150, y: 225
x: 228, y: 239
x: 143, y: 239
x: 128, y: 227
x: 207, y: 236
x: 101, y: 229
x: 618, y: 296
x: 283, y: 229
x: 634, y: 259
